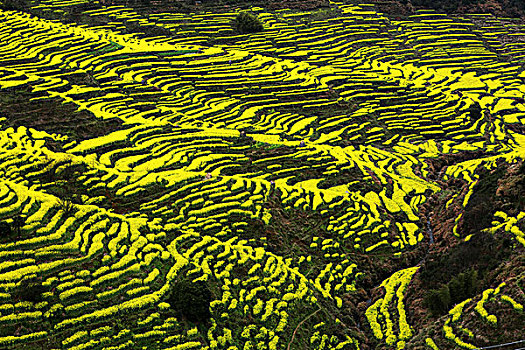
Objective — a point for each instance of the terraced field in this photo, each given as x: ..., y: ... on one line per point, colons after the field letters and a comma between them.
x: 305, y: 176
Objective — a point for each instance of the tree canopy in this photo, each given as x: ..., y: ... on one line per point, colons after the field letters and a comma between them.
x: 247, y: 22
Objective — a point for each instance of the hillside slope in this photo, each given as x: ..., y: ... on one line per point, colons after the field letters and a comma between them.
x: 341, y: 180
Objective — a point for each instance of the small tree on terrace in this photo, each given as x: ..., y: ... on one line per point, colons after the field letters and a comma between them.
x: 191, y: 300
x: 30, y: 289
x: 5, y: 229
x: 247, y: 22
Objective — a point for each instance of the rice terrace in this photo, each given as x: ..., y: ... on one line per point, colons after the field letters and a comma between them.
x: 266, y: 174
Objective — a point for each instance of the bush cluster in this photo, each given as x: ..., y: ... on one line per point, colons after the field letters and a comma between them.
x: 461, y: 287
x: 30, y: 289
x: 483, y: 252
x: 247, y: 22
x: 7, y: 230
x: 191, y: 300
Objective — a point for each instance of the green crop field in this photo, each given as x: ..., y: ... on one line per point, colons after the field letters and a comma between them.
x: 352, y: 181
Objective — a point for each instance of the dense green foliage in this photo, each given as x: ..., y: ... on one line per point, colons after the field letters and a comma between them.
x: 8, y: 229
x: 461, y: 287
x: 483, y: 252
x: 191, y: 300
x: 5, y: 229
x: 30, y: 289
x: 475, y: 111
x: 246, y: 22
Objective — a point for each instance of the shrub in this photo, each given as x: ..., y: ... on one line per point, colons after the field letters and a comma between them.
x: 324, y: 13
x: 463, y: 286
x: 30, y: 290
x: 483, y: 252
x: 246, y: 22
x: 437, y: 300
x: 18, y: 222
x: 475, y: 111
x: 460, y: 287
x: 191, y: 300
x: 5, y: 229
x: 66, y: 206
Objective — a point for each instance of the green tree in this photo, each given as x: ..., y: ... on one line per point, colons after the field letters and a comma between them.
x: 30, y: 289
x: 247, y: 22
x: 460, y: 287
x: 437, y: 300
x: 475, y: 111
x: 5, y: 229
x: 191, y: 300
x: 18, y: 222
x: 456, y: 287
x: 471, y: 283
x: 463, y: 286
